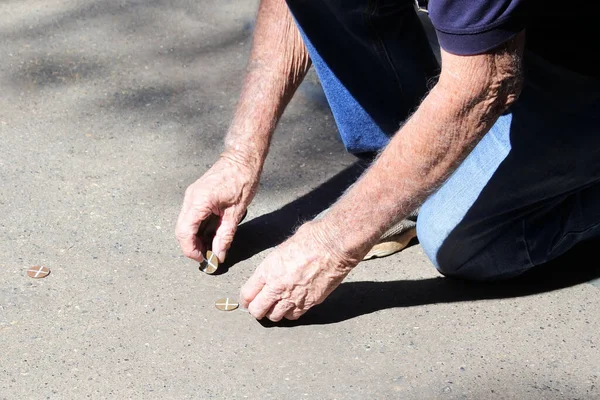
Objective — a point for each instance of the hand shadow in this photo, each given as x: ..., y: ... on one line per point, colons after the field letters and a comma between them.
x: 354, y: 299
x: 271, y: 229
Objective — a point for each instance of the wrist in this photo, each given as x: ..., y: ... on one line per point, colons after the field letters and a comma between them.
x: 247, y: 146
x: 329, y: 240
x: 244, y: 157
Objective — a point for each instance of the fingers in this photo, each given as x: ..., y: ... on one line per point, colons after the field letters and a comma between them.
x: 190, y: 244
x: 294, y: 313
x: 208, y: 227
x: 251, y: 288
x: 188, y: 223
x: 224, y: 235
x: 262, y: 303
x: 279, y: 310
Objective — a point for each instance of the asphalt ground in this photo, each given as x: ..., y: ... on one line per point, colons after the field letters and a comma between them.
x: 108, y: 111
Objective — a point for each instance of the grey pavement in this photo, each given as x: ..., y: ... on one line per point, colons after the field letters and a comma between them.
x: 108, y: 111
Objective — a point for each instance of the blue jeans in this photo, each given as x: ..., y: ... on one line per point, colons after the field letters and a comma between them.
x: 527, y: 193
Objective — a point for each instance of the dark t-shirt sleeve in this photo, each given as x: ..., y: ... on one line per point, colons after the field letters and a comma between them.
x: 467, y: 27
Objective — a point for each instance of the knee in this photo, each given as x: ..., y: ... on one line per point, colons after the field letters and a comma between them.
x: 445, y: 256
x: 431, y: 244
x: 431, y: 236
x: 458, y: 252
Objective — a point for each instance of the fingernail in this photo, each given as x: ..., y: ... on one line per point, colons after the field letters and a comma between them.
x: 221, y: 256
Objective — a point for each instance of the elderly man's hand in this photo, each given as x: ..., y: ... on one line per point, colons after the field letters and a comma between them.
x: 225, y: 190
x: 297, y: 275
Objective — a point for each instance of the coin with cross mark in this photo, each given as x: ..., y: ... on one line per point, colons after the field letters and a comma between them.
x: 226, y: 304
x: 38, y: 272
x: 210, y: 264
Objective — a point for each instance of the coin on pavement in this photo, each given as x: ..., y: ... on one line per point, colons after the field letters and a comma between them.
x: 38, y: 272
x: 210, y: 264
x: 226, y: 304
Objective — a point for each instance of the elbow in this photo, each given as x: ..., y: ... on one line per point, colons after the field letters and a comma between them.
x: 507, y: 73
x: 510, y: 90
x: 499, y: 93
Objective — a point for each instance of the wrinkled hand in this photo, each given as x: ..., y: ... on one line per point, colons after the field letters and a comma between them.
x: 297, y: 275
x: 225, y: 190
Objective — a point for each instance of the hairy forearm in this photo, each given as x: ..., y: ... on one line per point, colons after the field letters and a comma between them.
x: 278, y: 64
x: 471, y: 94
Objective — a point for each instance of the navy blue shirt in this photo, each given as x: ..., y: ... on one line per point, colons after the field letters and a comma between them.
x: 559, y: 31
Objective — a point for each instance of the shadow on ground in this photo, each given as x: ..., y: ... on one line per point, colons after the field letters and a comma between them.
x: 271, y: 229
x: 353, y: 299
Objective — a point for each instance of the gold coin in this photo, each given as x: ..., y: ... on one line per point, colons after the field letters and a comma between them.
x: 210, y: 264
x: 226, y: 304
x: 38, y: 272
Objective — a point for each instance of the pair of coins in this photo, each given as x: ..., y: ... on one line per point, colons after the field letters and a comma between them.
x: 210, y: 264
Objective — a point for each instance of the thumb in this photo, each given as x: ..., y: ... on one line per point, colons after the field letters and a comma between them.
x: 251, y: 288
x: 224, y: 236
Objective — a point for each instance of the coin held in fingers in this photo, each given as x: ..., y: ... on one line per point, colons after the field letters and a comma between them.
x: 210, y: 264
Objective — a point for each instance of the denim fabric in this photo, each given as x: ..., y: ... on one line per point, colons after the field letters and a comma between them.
x: 374, y: 63
x: 359, y: 132
x: 528, y: 192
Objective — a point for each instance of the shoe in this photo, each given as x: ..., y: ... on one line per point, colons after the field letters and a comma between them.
x: 395, y: 239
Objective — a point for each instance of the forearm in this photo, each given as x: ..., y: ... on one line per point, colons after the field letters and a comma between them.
x: 278, y: 64
x: 450, y: 121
